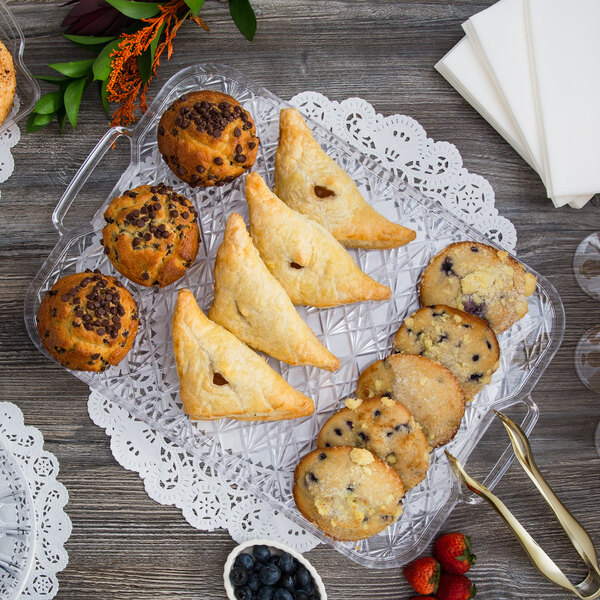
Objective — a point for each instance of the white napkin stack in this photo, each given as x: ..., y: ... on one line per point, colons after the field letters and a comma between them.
x: 531, y: 68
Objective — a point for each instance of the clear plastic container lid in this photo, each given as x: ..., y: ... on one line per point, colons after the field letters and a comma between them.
x: 28, y: 90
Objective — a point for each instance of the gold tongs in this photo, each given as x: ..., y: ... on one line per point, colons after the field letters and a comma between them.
x: 589, y: 588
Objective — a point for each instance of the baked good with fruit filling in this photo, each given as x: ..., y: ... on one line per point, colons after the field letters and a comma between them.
x: 308, y: 180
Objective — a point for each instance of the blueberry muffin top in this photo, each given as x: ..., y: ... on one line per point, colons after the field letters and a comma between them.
x: 481, y: 280
x: 207, y: 138
x: 347, y: 492
x: 387, y: 429
x: 463, y: 343
x: 151, y: 235
x: 429, y: 390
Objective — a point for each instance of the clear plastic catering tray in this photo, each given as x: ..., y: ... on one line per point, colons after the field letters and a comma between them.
x: 262, y: 456
x: 28, y: 90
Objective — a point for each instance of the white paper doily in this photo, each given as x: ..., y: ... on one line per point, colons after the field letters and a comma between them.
x: 40, y: 468
x: 171, y: 476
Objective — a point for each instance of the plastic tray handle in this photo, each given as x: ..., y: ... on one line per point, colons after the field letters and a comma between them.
x: 85, y: 170
x: 506, y: 458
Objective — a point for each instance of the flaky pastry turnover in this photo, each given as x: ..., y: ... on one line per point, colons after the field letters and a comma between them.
x: 251, y: 304
x: 311, y: 265
x: 308, y: 180
x: 220, y: 376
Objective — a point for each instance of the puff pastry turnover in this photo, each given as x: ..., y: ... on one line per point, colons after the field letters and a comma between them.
x: 251, y: 303
x: 221, y: 377
x: 309, y: 263
x: 311, y: 182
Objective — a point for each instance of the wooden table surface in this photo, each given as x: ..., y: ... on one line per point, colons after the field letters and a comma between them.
x: 125, y: 545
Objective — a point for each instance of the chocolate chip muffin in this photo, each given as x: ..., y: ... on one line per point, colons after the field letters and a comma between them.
x: 463, y: 343
x: 207, y: 138
x: 151, y: 236
x: 87, y: 321
x: 8, y: 82
x: 430, y: 391
x: 480, y: 280
x: 384, y: 427
x: 347, y: 492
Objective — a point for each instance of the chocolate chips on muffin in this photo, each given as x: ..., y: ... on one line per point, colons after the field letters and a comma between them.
x: 207, y: 138
x: 151, y: 236
x: 88, y: 321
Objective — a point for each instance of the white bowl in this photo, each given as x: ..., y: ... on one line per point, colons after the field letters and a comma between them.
x: 272, y: 546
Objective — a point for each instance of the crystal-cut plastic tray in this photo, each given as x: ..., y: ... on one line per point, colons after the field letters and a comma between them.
x: 262, y: 456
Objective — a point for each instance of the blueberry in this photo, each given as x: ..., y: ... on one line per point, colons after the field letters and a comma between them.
x: 287, y: 564
x: 265, y: 593
x: 300, y: 595
x: 269, y: 574
x: 244, y: 593
x: 474, y: 308
x: 254, y: 582
x: 287, y: 582
x: 281, y: 594
x: 262, y: 553
x: 274, y: 560
x: 303, y: 578
x: 447, y: 266
x: 307, y: 589
x: 244, y: 560
x: 238, y: 576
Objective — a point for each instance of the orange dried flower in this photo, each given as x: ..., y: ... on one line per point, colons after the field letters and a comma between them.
x: 125, y: 85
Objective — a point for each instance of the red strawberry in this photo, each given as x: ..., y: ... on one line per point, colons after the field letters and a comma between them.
x: 423, y: 574
x: 453, y: 550
x: 455, y: 587
x: 423, y: 598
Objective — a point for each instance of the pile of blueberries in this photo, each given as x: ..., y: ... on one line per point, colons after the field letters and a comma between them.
x: 265, y: 576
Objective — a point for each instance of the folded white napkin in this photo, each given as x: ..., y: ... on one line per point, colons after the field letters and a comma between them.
x: 462, y: 68
x: 490, y: 69
x: 465, y: 73
x: 499, y: 37
x: 564, y: 51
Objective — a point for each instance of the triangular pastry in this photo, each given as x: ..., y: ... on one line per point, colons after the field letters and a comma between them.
x: 312, y: 267
x: 311, y: 182
x: 220, y: 376
x: 251, y: 303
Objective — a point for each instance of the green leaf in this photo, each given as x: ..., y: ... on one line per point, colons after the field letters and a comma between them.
x: 155, y: 40
x: 48, y: 104
x: 243, y: 16
x: 103, y: 61
x: 77, y: 68
x: 195, y: 6
x: 73, y: 95
x: 51, y: 78
x: 104, y: 95
x: 36, y: 122
x: 89, y: 40
x: 135, y: 10
x: 144, y: 61
x: 61, y: 117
